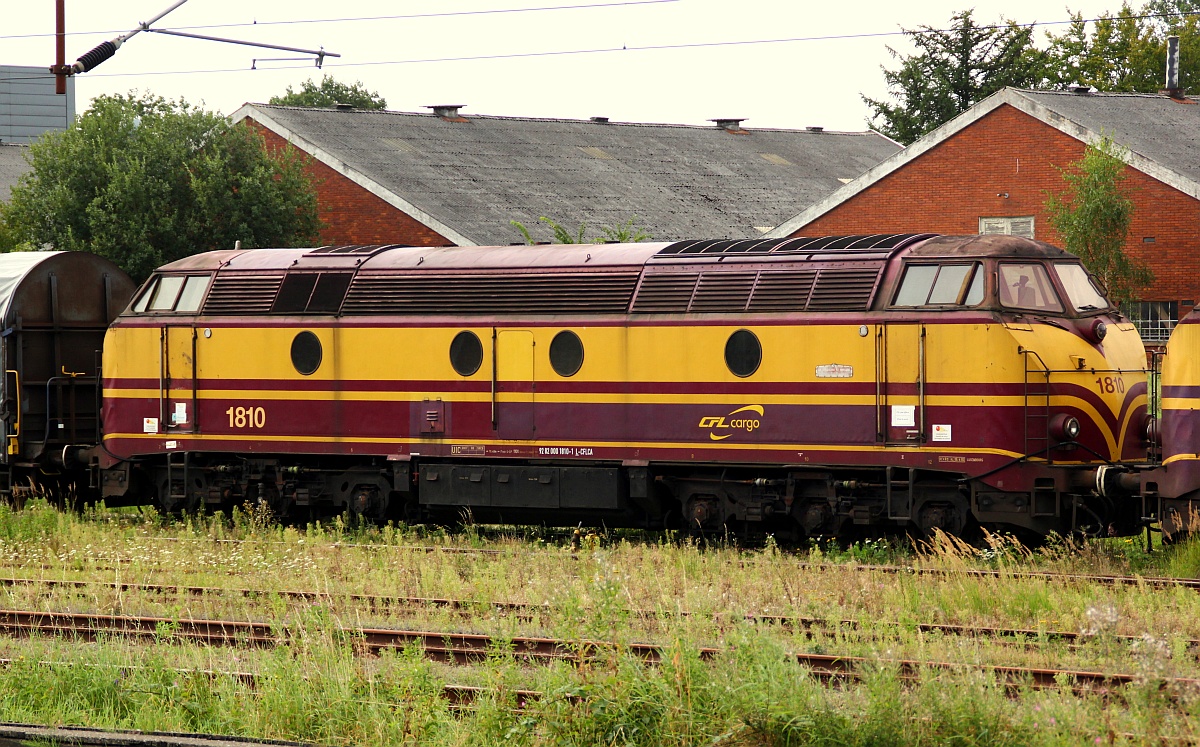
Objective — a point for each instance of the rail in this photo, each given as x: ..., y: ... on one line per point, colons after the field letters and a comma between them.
x: 461, y: 648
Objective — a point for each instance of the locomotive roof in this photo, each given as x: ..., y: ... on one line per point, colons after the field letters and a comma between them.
x: 583, y: 256
x: 800, y: 274
x: 988, y: 245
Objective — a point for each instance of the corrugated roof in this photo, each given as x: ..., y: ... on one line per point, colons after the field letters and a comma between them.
x: 1164, y: 130
x: 1160, y: 133
x: 12, y: 166
x: 471, y: 178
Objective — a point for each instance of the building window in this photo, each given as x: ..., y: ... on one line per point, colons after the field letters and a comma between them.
x: 1013, y: 226
x: 1154, y: 319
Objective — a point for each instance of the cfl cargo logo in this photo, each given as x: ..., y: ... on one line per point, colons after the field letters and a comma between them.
x: 722, y: 427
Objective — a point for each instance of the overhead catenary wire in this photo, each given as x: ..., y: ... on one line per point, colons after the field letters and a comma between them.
x: 637, y: 48
x: 370, y: 19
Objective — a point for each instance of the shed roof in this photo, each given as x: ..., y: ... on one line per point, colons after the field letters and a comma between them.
x: 1162, y: 136
x: 12, y: 166
x: 467, y: 177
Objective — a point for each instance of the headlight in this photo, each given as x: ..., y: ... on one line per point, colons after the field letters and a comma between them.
x: 1151, y: 431
x: 1099, y: 330
x: 1065, y: 427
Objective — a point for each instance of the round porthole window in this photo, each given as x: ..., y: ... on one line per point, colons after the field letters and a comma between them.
x: 566, y: 353
x: 466, y: 353
x: 743, y: 353
x: 306, y: 353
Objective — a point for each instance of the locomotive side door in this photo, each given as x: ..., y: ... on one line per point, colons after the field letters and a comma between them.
x: 513, y: 385
x: 901, y: 384
x: 177, y: 382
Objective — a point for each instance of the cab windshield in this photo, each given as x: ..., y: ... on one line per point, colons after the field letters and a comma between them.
x: 1027, y: 286
x: 1081, y: 291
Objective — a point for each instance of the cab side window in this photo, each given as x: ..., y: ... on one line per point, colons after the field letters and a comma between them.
x: 166, y: 294
x: 940, y: 285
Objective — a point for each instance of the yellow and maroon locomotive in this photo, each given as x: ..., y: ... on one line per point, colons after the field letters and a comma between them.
x: 1174, y: 482
x: 815, y: 385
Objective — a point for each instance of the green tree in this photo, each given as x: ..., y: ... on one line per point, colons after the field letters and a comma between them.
x: 1119, y: 53
x: 1092, y: 217
x: 329, y: 93
x: 145, y: 181
x: 1127, y: 51
x: 627, y: 232
x: 954, y: 69
x: 8, y: 239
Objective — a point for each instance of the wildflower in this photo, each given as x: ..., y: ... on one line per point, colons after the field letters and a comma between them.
x: 1101, y: 619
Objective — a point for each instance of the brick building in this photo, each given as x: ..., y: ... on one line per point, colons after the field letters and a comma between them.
x: 446, y: 179
x: 991, y: 169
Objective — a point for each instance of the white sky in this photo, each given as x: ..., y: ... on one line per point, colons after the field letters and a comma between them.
x: 790, y: 84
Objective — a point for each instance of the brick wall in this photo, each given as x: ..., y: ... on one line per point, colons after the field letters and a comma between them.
x: 1005, y: 165
x: 352, y: 215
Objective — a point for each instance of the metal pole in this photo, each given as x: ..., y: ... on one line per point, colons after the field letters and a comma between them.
x: 60, y: 46
x: 317, y: 52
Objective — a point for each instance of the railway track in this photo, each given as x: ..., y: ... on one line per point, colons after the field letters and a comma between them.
x: 1155, y: 582
x: 20, y: 735
x: 524, y: 611
x: 466, y: 648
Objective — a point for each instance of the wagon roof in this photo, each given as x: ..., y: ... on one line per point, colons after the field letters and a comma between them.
x: 25, y: 288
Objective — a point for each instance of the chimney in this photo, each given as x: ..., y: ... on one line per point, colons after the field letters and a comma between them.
x: 448, y: 112
x: 1173, y: 89
x: 730, y: 125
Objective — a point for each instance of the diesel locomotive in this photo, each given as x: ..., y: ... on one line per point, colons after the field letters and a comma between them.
x: 816, y: 386
x: 1174, y: 482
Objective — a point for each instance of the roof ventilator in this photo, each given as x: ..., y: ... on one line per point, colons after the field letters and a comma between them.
x: 448, y: 112
x: 730, y: 125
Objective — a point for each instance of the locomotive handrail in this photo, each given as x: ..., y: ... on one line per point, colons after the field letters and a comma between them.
x: 1154, y: 404
x: 1045, y: 416
x: 13, y: 445
x: 72, y: 379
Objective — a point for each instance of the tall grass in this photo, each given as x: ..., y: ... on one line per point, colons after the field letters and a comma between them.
x: 321, y: 692
x: 316, y: 687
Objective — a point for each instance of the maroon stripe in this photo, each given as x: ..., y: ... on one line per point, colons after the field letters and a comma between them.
x: 1181, y: 392
x: 832, y: 390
